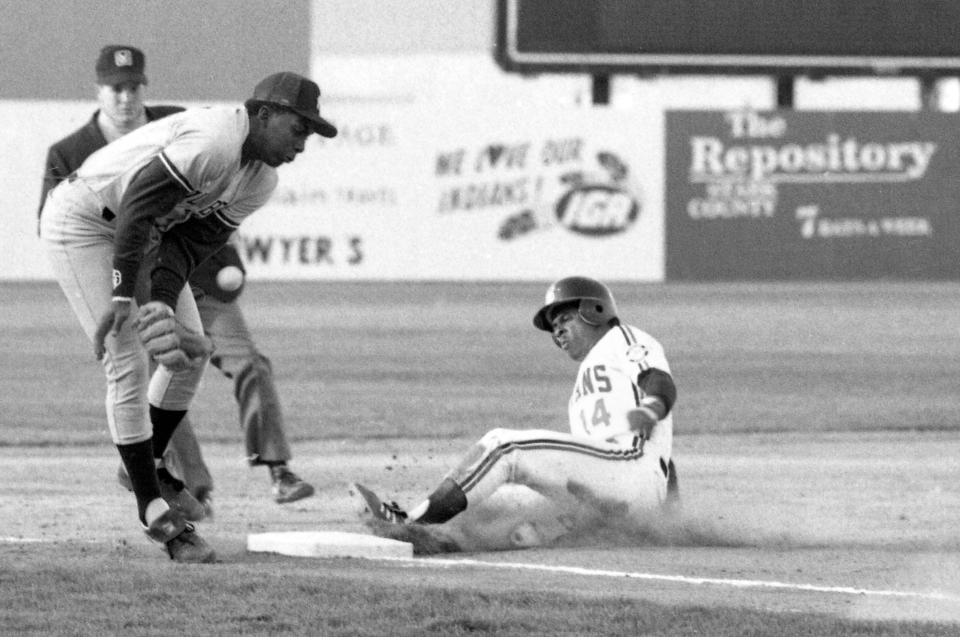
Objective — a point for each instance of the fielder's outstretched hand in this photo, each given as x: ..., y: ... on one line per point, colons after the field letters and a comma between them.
x: 156, y: 326
x: 111, y: 322
x: 193, y: 344
x: 167, y: 342
x: 642, y: 421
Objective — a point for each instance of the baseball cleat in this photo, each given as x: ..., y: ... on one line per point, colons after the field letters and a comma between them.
x: 189, y: 547
x: 288, y: 486
x: 385, y: 511
x: 179, y: 497
x: 165, y: 526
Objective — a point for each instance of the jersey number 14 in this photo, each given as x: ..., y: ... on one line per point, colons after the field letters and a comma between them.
x: 599, y: 418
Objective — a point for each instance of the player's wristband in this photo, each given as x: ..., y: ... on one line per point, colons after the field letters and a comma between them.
x: 655, y: 406
x: 124, y: 283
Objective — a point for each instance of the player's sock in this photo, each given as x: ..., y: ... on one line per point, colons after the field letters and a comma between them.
x: 155, y: 509
x: 164, y: 422
x: 138, y: 460
x: 445, y: 502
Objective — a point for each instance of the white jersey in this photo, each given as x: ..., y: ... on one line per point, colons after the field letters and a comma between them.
x: 607, y: 386
x: 200, y: 148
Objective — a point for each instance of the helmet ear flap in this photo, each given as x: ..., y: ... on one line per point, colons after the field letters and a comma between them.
x: 594, y: 312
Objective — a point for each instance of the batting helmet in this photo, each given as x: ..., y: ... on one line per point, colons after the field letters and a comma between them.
x: 596, y: 302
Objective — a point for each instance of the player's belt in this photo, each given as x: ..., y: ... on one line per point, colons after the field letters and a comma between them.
x: 106, y: 213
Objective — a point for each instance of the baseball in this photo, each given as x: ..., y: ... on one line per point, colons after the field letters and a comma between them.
x: 525, y: 535
x: 230, y: 278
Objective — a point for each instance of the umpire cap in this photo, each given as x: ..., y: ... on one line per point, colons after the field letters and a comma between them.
x: 120, y: 63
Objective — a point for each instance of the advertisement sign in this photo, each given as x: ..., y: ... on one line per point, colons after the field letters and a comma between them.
x: 541, y: 194
x: 409, y: 192
x: 418, y: 190
x: 790, y: 195
x: 340, y: 209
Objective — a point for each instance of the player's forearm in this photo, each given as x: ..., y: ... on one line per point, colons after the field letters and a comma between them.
x: 132, y: 237
x: 182, y: 249
x: 151, y: 195
x: 658, y: 384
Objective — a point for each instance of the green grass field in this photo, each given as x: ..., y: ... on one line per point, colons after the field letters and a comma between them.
x: 429, y: 366
x: 431, y: 359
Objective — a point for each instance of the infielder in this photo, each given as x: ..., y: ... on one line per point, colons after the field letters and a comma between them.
x: 194, y: 176
x: 616, y: 460
x: 121, y: 77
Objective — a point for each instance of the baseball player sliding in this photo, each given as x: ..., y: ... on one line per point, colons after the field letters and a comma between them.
x: 614, y: 463
x: 194, y: 177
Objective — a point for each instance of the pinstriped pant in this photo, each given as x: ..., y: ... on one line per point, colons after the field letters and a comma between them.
x: 79, y: 245
x: 621, y: 477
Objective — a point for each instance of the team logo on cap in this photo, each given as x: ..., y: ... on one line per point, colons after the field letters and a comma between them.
x: 123, y: 57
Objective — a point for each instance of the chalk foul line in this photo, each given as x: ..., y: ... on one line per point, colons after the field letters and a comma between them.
x: 591, y: 572
x: 681, y: 579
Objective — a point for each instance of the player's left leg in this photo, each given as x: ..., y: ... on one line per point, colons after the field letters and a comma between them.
x: 170, y: 394
x: 560, y: 465
x: 613, y: 478
x: 183, y: 456
x: 261, y: 416
x: 184, y: 460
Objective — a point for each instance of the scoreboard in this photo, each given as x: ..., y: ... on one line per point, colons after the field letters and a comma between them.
x: 782, y: 37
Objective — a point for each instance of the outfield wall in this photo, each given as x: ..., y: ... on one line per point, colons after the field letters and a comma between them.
x: 507, y: 178
x: 407, y: 192
x: 421, y: 193
x: 499, y: 178
x: 450, y: 168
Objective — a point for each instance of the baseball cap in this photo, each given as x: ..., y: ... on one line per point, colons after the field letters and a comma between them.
x: 296, y: 93
x: 120, y: 63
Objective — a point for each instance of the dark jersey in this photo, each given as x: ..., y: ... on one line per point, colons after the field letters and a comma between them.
x: 66, y: 155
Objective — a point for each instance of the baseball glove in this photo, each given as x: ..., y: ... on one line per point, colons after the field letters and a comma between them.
x: 167, y: 342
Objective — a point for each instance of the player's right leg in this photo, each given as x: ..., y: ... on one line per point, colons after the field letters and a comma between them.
x: 488, y: 459
x: 182, y: 457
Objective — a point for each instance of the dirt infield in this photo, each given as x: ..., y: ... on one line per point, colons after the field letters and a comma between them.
x: 855, y: 526
x: 818, y: 443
